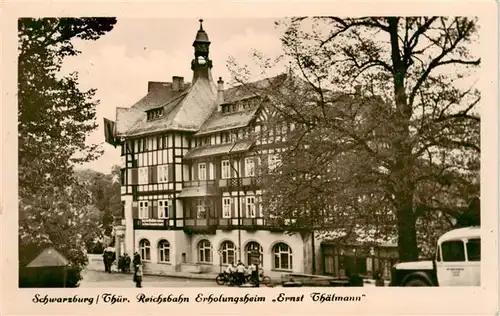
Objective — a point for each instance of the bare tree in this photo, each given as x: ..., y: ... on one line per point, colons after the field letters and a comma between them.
x: 386, y: 123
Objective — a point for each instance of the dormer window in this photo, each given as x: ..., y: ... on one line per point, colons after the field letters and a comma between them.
x: 154, y: 114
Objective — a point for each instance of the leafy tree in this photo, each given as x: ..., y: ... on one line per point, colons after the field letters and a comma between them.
x: 54, y: 118
x: 386, y: 123
x: 105, y: 193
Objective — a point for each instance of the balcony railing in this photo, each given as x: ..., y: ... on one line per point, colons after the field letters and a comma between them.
x: 200, y: 222
x: 240, y: 182
x: 198, y: 183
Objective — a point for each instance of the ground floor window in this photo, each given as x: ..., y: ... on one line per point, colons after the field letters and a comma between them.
x: 163, y: 251
x: 145, y: 247
x: 253, y: 246
x: 227, y: 252
x: 204, y: 251
x: 282, y: 256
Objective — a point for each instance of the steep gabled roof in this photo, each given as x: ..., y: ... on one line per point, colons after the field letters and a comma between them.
x: 186, y: 112
x: 224, y: 121
x: 222, y: 149
x: 252, y: 89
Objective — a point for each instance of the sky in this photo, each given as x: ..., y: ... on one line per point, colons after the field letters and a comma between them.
x: 121, y: 62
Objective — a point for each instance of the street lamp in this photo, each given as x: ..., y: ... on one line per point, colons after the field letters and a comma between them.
x: 239, y: 201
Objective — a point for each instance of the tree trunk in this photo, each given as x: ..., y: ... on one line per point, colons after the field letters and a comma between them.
x: 401, y: 144
x: 407, y: 233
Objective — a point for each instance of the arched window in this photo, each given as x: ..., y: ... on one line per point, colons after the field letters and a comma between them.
x: 282, y: 256
x: 253, y: 246
x: 163, y: 251
x: 204, y: 251
x: 227, y: 252
x: 145, y: 247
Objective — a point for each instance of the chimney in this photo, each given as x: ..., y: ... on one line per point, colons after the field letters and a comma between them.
x: 220, y: 91
x: 357, y: 89
x: 177, y: 83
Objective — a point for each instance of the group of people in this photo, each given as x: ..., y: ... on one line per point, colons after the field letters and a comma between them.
x: 124, y: 263
x: 240, y: 274
x: 108, y: 257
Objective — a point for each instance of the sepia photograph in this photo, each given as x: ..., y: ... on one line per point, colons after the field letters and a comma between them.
x: 249, y: 158
x: 291, y: 152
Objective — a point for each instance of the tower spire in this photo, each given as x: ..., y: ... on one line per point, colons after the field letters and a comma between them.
x: 201, y: 64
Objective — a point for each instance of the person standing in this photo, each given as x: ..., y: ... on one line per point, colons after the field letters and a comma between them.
x: 137, y: 264
x: 255, y: 274
x: 138, y: 276
x: 379, y: 280
x: 240, y: 269
x: 105, y: 260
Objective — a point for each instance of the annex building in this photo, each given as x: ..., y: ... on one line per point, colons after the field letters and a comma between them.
x: 190, y: 193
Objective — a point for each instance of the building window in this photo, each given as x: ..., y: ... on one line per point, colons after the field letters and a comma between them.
x: 225, y: 169
x: 163, y: 207
x: 204, y: 251
x: 145, y: 248
x: 202, y: 171
x: 224, y: 137
x: 254, y: 246
x: 143, y: 175
x: 201, y: 209
x: 250, y: 207
x: 249, y: 167
x: 162, y: 173
x: 226, y: 207
x: 163, y: 251
x: 227, y: 252
x: 143, y: 209
x: 234, y: 136
x: 273, y: 161
x: 282, y: 257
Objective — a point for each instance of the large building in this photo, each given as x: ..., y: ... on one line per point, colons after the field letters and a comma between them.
x: 190, y: 193
x: 191, y: 159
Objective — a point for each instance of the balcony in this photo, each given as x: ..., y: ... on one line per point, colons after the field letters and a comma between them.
x: 198, y: 188
x: 250, y: 223
x: 198, y: 183
x: 251, y: 183
x: 200, y: 226
x: 200, y: 222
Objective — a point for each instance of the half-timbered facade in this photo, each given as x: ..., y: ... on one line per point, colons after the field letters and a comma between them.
x: 191, y: 158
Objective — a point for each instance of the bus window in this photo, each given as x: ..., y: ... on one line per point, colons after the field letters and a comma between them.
x: 474, y: 249
x: 453, y: 251
x: 438, y: 253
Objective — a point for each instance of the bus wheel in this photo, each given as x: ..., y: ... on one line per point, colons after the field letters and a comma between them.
x: 416, y: 282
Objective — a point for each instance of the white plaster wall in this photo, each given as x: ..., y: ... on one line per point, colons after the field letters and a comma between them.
x: 129, y: 225
x: 154, y: 236
x: 266, y: 239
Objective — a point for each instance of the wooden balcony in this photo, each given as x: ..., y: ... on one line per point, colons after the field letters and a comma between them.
x: 245, y: 183
x: 200, y: 226
x: 198, y: 188
x: 198, y: 183
x: 194, y: 222
x: 250, y: 223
